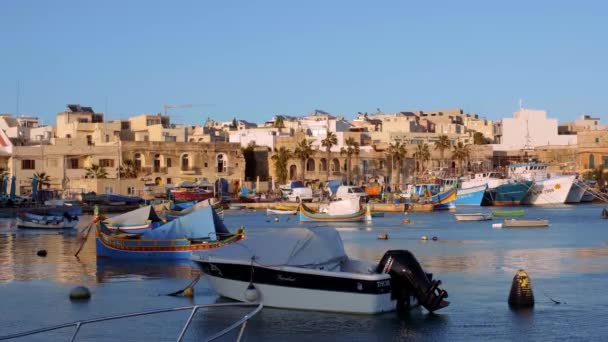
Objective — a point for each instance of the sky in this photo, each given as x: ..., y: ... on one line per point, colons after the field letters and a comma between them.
x: 256, y: 59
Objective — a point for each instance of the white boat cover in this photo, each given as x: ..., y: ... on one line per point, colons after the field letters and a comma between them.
x: 343, y: 207
x: 203, y: 222
x: 134, y: 217
x: 315, y: 248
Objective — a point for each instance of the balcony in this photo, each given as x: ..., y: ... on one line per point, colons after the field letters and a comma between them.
x: 190, y: 170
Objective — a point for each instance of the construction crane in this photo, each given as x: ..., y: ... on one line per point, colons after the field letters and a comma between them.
x: 167, y: 107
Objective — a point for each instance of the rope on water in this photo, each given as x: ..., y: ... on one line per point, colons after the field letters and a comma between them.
x: 188, y: 290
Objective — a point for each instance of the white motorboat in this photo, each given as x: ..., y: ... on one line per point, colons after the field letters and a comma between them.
x: 308, y: 269
x: 547, y: 188
x: 473, y: 217
x: 33, y: 221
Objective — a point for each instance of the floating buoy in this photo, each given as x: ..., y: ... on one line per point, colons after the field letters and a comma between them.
x: 424, y: 238
x: 79, y: 293
x: 383, y: 236
x: 496, y: 225
x: 406, y: 220
x: 276, y: 219
x: 41, y: 253
x: 521, y: 295
x: 251, y: 294
x: 435, y: 238
x: 188, y: 292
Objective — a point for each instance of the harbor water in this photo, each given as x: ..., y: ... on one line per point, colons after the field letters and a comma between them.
x: 567, y: 263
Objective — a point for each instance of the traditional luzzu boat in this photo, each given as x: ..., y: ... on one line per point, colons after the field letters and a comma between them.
x: 135, y: 221
x: 433, y: 194
x: 308, y: 269
x: 348, y: 210
x: 33, y: 221
x: 177, y: 239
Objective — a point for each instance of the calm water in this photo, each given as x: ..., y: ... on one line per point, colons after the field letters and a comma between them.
x: 568, y: 262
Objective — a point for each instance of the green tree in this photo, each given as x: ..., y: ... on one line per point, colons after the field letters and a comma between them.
x: 279, y: 122
x: 397, y: 153
x: 442, y: 144
x: 330, y: 140
x: 352, y: 148
x: 128, y: 170
x: 43, y: 179
x: 422, y: 155
x: 250, y: 162
x: 281, y: 158
x: 479, y: 138
x: 234, y: 124
x: 303, y: 151
x: 460, y: 153
x: 96, y: 172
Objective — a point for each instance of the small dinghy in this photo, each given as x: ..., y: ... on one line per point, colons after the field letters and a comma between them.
x: 282, y: 210
x: 508, y: 213
x: 33, y: 221
x: 134, y: 222
x: 515, y: 223
x: 473, y: 217
x: 348, y: 210
x: 308, y: 269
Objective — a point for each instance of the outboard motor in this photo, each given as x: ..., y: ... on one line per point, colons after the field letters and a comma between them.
x: 408, y: 278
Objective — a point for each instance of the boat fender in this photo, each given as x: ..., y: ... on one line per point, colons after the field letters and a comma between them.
x: 383, y: 236
x: 521, y: 295
x: 251, y: 293
x: 276, y: 219
x: 79, y: 293
x: 424, y: 238
x: 435, y: 238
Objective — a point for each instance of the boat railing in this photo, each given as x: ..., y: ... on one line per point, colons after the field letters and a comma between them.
x: 242, y: 323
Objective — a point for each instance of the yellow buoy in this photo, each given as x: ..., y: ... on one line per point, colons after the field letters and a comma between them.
x: 424, y: 238
x: 406, y: 221
x: 188, y: 292
x: 521, y: 295
x: 383, y: 236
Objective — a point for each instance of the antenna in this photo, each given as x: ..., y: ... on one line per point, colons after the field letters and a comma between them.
x: 18, y: 96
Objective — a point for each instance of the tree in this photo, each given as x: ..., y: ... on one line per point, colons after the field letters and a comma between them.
x: 303, y: 151
x: 397, y: 153
x: 422, y: 155
x: 442, y: 144
x: 128, y: 169
x: 281, y: 158
x: 460, y: 153
x: 479, y: 138
x: 43, y: 179
x: 279, y: 122
x: 250, y: 162
x: 234, y: 124
x: 96, y: 172
x: 330, y: 140
x: 352, y: 148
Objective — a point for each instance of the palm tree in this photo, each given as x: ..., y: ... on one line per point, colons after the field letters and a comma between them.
x: 43, y: 179
x: 352, y: 148
x: 96, y: 171
x: 422, y: 154
x: 330, y: 140
x: 461, y: 153
x: 128, y: 169
x: 397, y: 152
x: 281, y: 158
x: 279, y: 122
x: 442, y: 144
x: 303, y: 151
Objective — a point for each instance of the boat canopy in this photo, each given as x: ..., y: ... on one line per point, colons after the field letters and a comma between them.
x: 315, y: 248
x: 203, y: 222
x: 137, y: 216
x: 334, y: 184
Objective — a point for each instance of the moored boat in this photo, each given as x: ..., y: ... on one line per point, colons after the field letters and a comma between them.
x: 510, y: 193
x: 508, y: 213
x: 470, y: 196
x: 441, y: 199
x: 473, y: 217
x: 135, y: 221
x: 308, y: 269
x: 348, y: 210
x: 575, y: 195
x: 552, y: 190
x: 177, y: 239
x: 33, y: 221
x: 270, y: 211
x: 516, y: 223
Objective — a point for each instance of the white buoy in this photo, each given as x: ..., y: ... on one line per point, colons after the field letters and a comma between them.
x: 496, y: 225
x: 424, y: 238
x: 252, y: 294
x: 276, y: 219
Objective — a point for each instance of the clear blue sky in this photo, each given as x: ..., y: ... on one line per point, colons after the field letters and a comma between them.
x: 255, y: 59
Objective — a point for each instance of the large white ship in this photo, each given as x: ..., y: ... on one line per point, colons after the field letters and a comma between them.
x: 546, y: 189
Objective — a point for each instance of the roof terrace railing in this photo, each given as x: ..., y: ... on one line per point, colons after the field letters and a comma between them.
x: 242, y: 323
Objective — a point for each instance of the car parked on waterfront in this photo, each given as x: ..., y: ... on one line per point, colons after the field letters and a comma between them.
x: 351, y: 192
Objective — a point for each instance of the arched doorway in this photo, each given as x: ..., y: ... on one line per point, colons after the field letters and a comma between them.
x: 157, y: 162
x: 323, y: 164
x: 335, y: 165
x: 185, y: 162
x: 293, y: 172
x: 138, y: 160
x: 310, y: 165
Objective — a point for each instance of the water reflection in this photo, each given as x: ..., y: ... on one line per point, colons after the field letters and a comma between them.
x: 116, y: 270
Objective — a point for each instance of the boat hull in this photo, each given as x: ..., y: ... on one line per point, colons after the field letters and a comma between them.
x: 473, y: 217
x: 588, y: 196
x: 280, y: 212
x: 306, y: 216
x: 575, y: 195
x: 183, y: 196
x: 513, y: 223
x: 508, y: 213
x: 65, y: 224
x: 508, y: 194
x: 304, y: 289
x: 131, y: 229
x: 549, y: 191
x: 470, y: 196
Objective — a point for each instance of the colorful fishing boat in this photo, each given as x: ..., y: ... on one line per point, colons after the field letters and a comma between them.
x: 134, y: 222
x: 442, y: 198
x: 177, y: 239
x: 507, y: 194
x: 33, y: 221
x: 508, y: 213
x: 338, y: 211
x: 471, y: 196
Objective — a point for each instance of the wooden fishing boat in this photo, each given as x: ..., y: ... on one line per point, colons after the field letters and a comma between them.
x: 271, y: 211
x: 473, y: 217
x: 508, y: 213
x: 33, y: 221
x: 339, y: 211
x: 177, y: 239
x: 515, y: 223
x: 135, y: 221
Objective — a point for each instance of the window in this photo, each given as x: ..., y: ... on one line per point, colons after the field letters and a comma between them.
x: 206, y: 165
x: 73, y: 163
x: 109, y: 189
x: 107, y: 138
x: 89, y: 140
x: 591, y: 161
x: 83, y: 120
x: 597, y: 140
x: 605, y: 161
x: 168, y: 163
x: 28, y: 164
x: 106, y: 162
x: 169, y: 181
x: 185, y: 162
x: 125, y: 125
x: 131, y: 190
